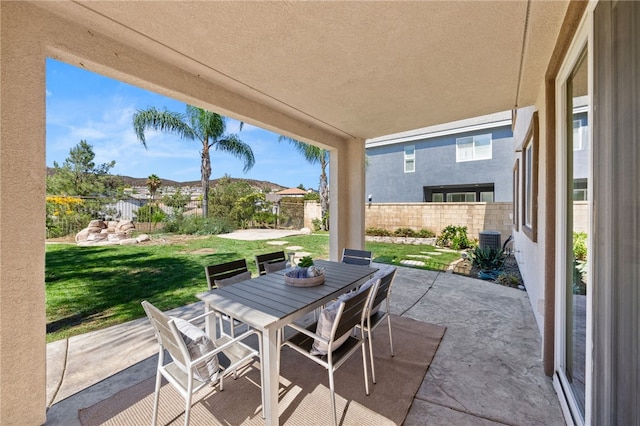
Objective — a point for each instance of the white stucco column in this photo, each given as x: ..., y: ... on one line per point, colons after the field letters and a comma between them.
x: 22, y: 221
x: 346, y: 194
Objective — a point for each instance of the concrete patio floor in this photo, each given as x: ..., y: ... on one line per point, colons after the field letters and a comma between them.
x: 487, y: 370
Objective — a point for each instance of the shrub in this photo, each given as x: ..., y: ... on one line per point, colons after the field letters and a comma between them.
x: 317, y: 224
x: 487, y: 259
x: 377, y: 232
x: 404, y: 232
x: 150, y: 213
x: 454, y: 237
x: 580, y: 245
x: 197, y: 225
x: 509, y: 280
x: 425, y: 233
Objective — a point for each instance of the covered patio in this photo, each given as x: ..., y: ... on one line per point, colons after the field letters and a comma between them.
x: 335, y: 74
x: 487, y: 370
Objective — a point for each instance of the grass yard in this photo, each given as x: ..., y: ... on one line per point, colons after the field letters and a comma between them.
x: 90, y: 288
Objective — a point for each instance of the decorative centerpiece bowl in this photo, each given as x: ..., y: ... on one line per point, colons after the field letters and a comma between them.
x: 305, y: 274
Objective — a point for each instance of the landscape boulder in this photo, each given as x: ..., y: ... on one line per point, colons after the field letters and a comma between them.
x: 99, y: 232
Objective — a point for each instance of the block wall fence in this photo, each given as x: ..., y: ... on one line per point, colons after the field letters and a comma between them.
x: 435, y: 216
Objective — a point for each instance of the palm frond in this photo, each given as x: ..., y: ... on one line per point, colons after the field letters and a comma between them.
x: 164, y: 121
x: 233, y: 145
x: 311, y: 153
x: 206, y: 123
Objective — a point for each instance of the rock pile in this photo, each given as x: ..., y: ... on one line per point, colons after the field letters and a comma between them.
x: 102, y: 233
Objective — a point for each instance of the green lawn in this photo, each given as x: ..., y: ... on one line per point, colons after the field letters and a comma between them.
x: 89, y: 288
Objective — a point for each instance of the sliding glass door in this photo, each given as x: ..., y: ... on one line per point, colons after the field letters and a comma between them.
x: 573, y: 219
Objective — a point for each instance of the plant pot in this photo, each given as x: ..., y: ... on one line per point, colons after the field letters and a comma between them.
x: 488, y: 274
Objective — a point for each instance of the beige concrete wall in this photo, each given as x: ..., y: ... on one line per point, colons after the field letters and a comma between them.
x: 435, y: 216
x: 312, y: 210
x: 22, y: 201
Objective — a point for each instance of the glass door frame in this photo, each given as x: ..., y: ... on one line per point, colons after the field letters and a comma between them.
x: 582, y: 40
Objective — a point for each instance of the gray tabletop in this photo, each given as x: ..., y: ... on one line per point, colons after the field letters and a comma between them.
x: 266, y: 301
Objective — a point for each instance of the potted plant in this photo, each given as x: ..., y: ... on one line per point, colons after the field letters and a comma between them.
x: 305, y: 274
x: 488, y: 260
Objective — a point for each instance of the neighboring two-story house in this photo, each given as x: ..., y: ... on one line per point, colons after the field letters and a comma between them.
x: 462, y: 161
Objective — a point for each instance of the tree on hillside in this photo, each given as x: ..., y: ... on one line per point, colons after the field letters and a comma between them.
x: 315, y: 155
x: 153, y: 183
x: 80, y: 176
x: 197, y: 124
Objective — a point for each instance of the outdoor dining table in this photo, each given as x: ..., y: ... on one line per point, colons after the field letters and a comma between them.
x: 267, y: 304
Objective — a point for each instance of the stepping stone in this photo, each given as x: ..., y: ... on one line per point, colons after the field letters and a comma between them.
x: 432, y: 253
x: 294, y: 248
x: 277, y: 243
x: 300, y: 254
x: 412, y: 262
x: 420, y: 256
x: 447, y: 250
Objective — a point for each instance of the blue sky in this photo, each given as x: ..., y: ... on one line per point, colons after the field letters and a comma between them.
x: 85, y: 105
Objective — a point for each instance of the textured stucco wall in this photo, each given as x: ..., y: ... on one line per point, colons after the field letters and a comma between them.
x: 22, y: 188
x: 435, y: 164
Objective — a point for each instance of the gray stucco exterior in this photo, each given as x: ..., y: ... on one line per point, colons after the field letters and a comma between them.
x: 435, y: 165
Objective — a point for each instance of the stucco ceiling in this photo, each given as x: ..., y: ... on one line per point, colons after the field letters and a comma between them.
x: 354, y: 69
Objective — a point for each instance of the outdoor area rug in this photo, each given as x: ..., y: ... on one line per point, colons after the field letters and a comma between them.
x: 304, y: 389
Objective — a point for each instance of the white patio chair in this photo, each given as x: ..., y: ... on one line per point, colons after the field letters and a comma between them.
x: 195, y: 357
x: 330, y: 341
x: 374, y: 315
x: 356, y: 257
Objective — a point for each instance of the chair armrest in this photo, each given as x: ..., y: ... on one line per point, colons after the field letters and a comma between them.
x: 206, y: 314
x: 230, y: 342
x: 308, y: 333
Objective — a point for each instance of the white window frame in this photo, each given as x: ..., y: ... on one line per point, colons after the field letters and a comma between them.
x: 410, y: 158
x: 476, y: 154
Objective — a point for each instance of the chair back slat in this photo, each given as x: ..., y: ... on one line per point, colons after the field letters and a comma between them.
x: 224, y: 270
x: 261, y: 259
x: 356, y: 257
x: 384, y: 289
x: 166, y: 338
x: 352, y: 314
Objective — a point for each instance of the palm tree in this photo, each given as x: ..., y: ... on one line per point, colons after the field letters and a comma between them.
x: 314, y: 155
x: 153, y: 183
x: 197, y: 124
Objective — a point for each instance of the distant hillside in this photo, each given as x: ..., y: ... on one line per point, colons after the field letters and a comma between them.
x: 142, y: 182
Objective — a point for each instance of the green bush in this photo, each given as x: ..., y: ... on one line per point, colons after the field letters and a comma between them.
x: 487, y: 259
x: 197, y: 225
x: 425, y: 233
x: 377, y: 232
x: 404, y: 232
x: 580, y: 245
x: 150, y: 213
x: 509, y: 280
x: 454, y: 237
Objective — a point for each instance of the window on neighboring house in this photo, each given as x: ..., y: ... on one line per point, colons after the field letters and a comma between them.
x: 409, y: 159
x: 530, y: 180
x: 437, y: 197
x: 486, y: 197
x: 473, y: 148
x: 580, y: 136
x: 580, y: 189
x: 461, y: 197
x: 483, y: 192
